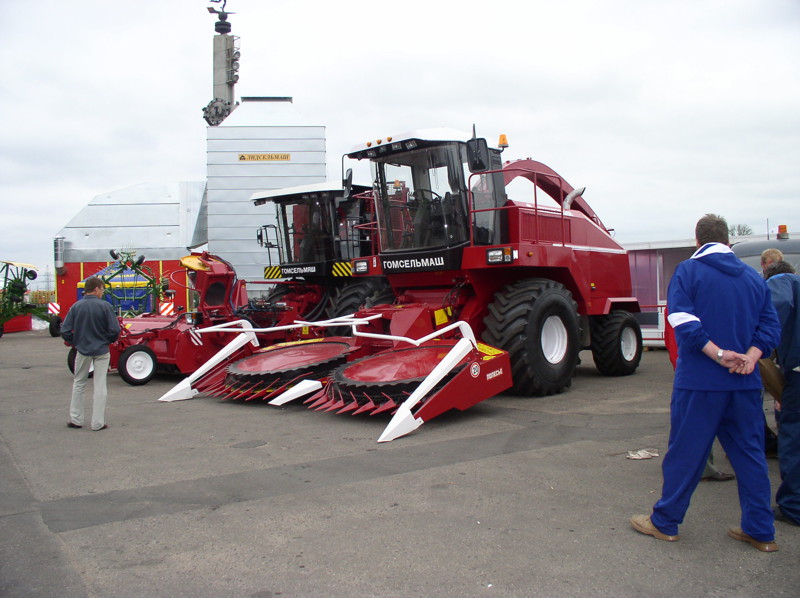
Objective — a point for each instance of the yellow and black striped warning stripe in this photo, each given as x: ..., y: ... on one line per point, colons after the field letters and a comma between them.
x: 341, y: 269
x: 272, y: 272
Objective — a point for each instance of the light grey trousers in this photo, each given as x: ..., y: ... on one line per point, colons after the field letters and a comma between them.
x: 81, y: 377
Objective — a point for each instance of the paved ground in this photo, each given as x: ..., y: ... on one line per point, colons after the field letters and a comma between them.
x: 516, y: 497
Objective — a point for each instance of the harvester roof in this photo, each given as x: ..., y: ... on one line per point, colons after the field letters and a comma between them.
x: 406, y: 141
x: 328, y: 189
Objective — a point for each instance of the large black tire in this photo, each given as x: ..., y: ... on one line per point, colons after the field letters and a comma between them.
x: 137, y: 365
x: 616, y: 343
x: 383, y: 296
x: 54, y: 326
x: 355, y: 295
x: 536, y: 321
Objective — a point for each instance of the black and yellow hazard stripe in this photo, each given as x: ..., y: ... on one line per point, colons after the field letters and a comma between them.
x: 341, y: 269
x: 272, y: 272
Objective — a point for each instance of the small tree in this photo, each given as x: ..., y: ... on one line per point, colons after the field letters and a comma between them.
x: 739, y: 230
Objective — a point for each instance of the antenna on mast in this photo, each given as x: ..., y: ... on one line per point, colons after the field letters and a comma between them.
x: 226, y: 67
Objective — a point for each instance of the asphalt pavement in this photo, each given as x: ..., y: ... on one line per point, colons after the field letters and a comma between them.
x: 202, y: 498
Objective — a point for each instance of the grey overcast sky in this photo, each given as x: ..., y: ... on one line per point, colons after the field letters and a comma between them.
x: 663, y: 110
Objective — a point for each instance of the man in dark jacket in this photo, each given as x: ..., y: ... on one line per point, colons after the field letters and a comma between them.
x: 785, y: 287
x: 724, y: 321
x: 90, y: 326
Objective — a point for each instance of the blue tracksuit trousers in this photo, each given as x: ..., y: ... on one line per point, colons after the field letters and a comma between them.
x: 736, y: 418
x: 788, y: 496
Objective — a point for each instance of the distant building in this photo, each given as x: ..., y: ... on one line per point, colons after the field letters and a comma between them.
x: 264, y: 144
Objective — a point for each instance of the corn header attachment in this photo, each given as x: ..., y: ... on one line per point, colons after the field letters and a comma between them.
x: 376, y: 370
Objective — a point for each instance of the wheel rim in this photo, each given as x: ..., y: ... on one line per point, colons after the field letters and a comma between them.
x: 628, y: 343
x: 554, y: 339
x: 139, y: 365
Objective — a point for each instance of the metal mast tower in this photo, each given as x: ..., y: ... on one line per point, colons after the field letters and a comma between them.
x: 226, y: 68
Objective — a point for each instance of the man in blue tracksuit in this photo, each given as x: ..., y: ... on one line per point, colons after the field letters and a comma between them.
x: 724, y: 321
x: 785, y: 287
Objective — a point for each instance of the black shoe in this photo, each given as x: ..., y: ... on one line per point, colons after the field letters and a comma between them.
x: 781, y: 516
x: 718, y: 477
x: 71, y: 425
x: 105, y: 427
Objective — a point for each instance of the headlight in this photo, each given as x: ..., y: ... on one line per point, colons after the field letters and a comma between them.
x: 360, y: 267
x: 499, y: 256
x: 494, y: 256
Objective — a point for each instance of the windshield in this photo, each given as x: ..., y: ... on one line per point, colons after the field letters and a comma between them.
x: 422, y: 200
x: 306, y: 231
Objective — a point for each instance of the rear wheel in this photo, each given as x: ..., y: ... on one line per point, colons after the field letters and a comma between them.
x: 616, y: 343
x: 137, y: 365
x: 73, y: 353
x: 536, y: 321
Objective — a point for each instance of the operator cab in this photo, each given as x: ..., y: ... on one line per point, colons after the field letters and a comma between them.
x: 421, y: 182
x: 316, y: 226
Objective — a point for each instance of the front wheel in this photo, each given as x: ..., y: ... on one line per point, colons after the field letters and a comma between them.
x: 536, y: 321
x: 137, y: 365
x: 616, y: 343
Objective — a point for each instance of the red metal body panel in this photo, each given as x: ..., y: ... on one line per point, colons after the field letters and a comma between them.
x: 21, y: 323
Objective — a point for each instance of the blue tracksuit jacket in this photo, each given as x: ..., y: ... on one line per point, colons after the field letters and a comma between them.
x: 715, y: 296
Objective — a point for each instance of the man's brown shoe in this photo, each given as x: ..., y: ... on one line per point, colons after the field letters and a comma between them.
x: 643, y: 525
x: 737, y: 534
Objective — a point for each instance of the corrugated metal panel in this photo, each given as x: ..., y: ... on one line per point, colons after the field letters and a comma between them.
x: 157, y: 220
x: 255, y: 170
x: 261, y: 183
x: 260, y: 130
x: 129, y: 215
x: 230, y: 228
x: 227, y: 131
x: 261, y: 145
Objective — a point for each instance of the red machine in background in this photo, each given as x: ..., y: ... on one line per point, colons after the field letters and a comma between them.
x: 538, y: 283
x: 318, y: 232
x: 152, y: 342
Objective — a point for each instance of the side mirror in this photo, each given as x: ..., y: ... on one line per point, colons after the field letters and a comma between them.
x: 478, y: 158
x: 347, y: 184
x: 260, y: 236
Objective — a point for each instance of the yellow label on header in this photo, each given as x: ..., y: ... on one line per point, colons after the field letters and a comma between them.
x: 265, y: 157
